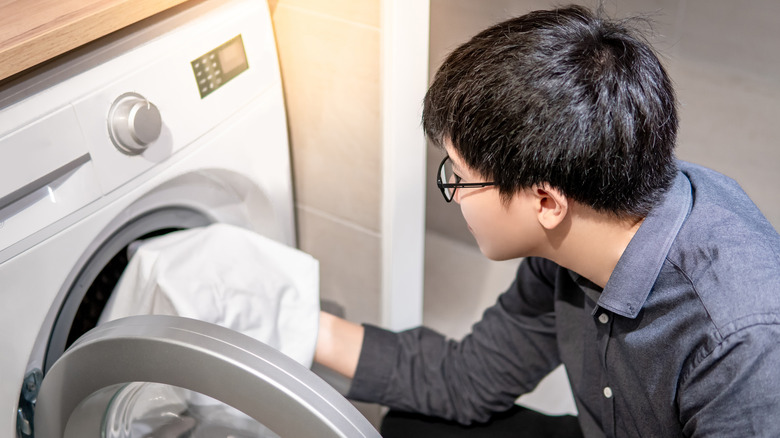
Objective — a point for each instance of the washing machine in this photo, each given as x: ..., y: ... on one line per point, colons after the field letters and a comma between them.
x: 173, y: 123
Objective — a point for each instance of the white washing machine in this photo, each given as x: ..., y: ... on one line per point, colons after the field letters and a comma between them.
x: 173, y: 123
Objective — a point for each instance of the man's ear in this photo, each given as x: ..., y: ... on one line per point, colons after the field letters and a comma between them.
x: 551, y: 205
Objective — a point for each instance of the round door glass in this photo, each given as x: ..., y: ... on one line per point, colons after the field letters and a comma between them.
x: 146, y: 410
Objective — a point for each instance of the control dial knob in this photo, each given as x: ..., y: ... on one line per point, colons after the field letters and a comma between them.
x: 133, y: 123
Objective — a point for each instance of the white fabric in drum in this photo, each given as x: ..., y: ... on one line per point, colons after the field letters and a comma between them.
x: 228, y: 276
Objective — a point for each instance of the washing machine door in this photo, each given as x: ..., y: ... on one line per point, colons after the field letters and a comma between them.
x: 214, y: 361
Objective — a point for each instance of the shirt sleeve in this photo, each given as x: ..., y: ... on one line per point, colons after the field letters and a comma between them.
x: 506, y: 354
x: 734, y: 390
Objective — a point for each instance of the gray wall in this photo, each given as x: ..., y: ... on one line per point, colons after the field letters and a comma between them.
x: 724, y: 58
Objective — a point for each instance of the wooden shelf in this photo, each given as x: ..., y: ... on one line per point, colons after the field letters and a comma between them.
x: 34, y: 31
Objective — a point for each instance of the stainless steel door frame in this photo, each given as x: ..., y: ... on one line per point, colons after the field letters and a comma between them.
x: 221, y: 363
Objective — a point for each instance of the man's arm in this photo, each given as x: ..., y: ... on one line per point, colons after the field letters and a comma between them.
x: 419, y: 370
x: 733, y: 391
x: 338, y: 344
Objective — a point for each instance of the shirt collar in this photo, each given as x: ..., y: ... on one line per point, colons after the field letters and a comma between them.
x: 641, y: 262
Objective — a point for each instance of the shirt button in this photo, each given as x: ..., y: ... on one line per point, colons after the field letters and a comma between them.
x: 603, y: 318
x: 607, y: 392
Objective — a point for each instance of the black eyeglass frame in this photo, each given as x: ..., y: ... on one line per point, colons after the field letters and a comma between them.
x: 457, y: 184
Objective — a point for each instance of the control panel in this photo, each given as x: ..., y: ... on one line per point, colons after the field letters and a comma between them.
x: 215, y: 68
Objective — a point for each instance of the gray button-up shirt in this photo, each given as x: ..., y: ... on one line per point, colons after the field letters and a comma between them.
x: 684, y: 340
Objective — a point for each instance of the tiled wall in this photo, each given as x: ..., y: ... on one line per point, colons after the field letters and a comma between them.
x: 723, y: 57
x: 330, y: 58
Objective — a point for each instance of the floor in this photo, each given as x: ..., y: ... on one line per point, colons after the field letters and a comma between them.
x: 459, y: 284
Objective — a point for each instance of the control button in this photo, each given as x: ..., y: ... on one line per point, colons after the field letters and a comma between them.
x: 607, y: 392
x: 603, y: 318
x: 133, y: 123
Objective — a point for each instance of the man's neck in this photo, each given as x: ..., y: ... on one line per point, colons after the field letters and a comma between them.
x: 591, y: 243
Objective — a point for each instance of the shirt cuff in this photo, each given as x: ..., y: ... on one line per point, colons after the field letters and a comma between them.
x: 375, y: 365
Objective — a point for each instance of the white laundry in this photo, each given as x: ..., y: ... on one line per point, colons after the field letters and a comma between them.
x: 228, y: 276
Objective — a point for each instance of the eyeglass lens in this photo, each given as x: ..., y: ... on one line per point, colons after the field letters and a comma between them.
x: 448, y: 177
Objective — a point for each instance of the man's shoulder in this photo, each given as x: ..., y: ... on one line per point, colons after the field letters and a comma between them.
x: 722, y: 214
x: 726, y: 248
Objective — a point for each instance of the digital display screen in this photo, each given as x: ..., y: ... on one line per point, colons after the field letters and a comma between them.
x: 215, y: 68
x: 232, y: 56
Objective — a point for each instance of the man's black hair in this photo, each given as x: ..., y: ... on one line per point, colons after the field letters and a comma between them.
x: 564, y: 97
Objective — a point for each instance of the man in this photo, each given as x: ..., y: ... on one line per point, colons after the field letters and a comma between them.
x: 656, y: 282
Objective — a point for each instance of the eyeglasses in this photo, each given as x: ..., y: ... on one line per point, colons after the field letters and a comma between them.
x: 453, y: 180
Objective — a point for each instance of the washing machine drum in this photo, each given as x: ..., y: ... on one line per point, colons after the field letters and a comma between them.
x: 209, y: 333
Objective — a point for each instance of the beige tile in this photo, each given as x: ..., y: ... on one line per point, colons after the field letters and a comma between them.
x: 728, y: 123
x: 453, y: 22
x: 460, y: 283
x: 330, y: 70
x: 657, y: 21
x: 366, y: 12
x: 743, y: 36
x: 350, y: 263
